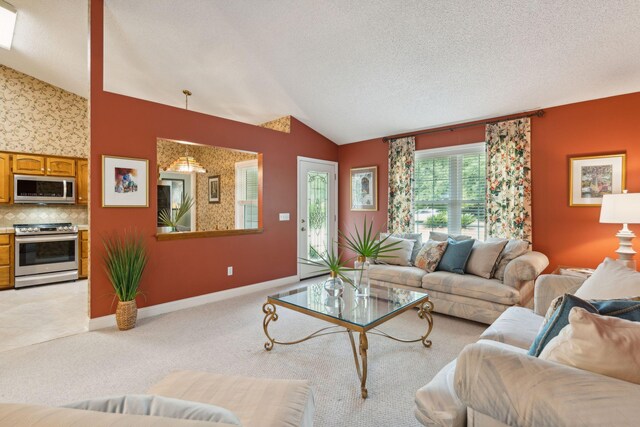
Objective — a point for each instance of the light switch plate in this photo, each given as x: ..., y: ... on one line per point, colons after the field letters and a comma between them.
x: 284, y: 216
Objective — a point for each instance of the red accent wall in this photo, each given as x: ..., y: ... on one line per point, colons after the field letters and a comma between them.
x: 567, y: 235
x: 125, y: 126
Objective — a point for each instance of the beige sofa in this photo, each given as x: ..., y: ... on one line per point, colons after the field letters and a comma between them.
x: 465, y: 295
x: 494, y: 383
x: 255, y: 401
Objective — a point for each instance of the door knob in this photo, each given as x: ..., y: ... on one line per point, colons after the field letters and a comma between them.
x: 302, y: 229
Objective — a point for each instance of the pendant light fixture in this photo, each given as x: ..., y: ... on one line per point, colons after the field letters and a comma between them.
x: 186, y: 163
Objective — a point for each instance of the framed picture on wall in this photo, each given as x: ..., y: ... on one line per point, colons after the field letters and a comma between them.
x: 214, y: 189
x: 592, y: 177
x: 364, y: 189
x: 125, y: 182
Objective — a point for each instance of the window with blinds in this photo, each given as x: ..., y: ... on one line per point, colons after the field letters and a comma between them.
x: 247, y: 194
x: 449, y: 190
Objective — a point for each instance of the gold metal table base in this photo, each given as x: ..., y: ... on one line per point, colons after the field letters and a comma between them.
x: 360, y: 353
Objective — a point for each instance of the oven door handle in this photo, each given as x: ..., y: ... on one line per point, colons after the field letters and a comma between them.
x: 40, y: 239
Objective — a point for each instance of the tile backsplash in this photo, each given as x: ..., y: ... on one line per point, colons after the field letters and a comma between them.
x: 26, y: 214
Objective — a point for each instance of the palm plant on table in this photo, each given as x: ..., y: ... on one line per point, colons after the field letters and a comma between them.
x: 171, y: 220
x: 125, y: 259
x: 368, y: 246
x: 330, y: 262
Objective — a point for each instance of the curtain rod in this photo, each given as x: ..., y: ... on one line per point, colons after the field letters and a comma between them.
x: 537, y: 113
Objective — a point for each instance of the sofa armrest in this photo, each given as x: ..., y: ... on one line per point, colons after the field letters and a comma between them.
x: 520, y: 390
x: 549, y: 287
x: 525, y: 268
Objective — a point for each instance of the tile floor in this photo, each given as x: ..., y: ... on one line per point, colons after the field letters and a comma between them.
x: 42, y: 313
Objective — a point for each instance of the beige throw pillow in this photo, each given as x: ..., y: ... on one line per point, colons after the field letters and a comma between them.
x: 430, y: 255
x: 512, y: 250
x: 483, y: 258
x: 611, y: 280
x: 605, y: 345
x: 400, y: 254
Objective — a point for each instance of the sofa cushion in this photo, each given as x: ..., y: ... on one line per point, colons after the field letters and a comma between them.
x: 610, y: 280
x: 145, y: 404
x: 430, y: 255
x: 256, y: 401
x: 415, y: 237
x: 408, y: 276
x: 512, y: 250
x: 456, y: 256
x: 399, y: 254
x: 517, y: 326
x: 471, y: 286
x: 483, y: 258
x: 624, y: 309
x: 437, y: 403
x: 602, y: 344
x: 443, y: 237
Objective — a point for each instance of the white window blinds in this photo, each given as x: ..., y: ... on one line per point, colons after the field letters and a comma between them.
x: 449, y: 190
x: 247, y: 194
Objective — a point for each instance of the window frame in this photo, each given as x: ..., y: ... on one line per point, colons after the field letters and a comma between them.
x: 241, y: 203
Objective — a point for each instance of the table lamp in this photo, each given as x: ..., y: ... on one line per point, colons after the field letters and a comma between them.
x: 622, y: 209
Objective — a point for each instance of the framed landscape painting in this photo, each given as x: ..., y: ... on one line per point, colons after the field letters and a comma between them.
x: 364, y: 189
x: 214, y: 189
x: 592, y: 177
x: 125, y: 182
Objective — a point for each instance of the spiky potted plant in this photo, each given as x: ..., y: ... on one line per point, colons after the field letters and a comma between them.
x: 332, y: 263
x: 125, y: 259
x: 367, y: 246
x: 171, y: 220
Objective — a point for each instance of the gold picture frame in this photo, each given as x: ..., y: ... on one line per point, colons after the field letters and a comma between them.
x: 591, y: 177
x: 364, y: 188
x: 125, y: 182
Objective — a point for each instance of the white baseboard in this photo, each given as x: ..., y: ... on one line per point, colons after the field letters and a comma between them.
x: 167, y: 307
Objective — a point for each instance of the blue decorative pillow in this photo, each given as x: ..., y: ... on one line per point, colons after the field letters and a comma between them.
x: 622, y: 308
x: 456, y: 256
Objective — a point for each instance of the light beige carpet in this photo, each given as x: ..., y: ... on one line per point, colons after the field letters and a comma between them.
x: 227, y: 337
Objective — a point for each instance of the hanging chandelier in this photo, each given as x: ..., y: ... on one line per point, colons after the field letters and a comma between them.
x: 186, y: 163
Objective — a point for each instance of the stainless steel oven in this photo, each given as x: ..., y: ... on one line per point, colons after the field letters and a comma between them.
x: 43, y: 189
x: 45, y: 253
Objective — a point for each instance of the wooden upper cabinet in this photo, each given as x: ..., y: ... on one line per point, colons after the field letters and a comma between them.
x: 59, y: 166
x: 82, y: 182
x: 5, y: 178
x: 27, y: 164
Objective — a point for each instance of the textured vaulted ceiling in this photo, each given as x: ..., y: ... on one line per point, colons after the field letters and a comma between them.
x: 352, y: 70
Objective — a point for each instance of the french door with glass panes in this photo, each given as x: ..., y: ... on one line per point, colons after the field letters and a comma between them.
x: 317, y: 211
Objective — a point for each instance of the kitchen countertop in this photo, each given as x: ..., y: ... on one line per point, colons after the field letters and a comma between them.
x: 10, y: 230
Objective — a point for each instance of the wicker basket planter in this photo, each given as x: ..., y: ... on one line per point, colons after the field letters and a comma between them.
x: 126, y: 315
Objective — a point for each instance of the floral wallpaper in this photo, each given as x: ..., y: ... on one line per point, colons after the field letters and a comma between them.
x: 509, y: 179
x: 34, y: 214
x: 283, y: 124
x: 36, y: 117
x: 401, y: 168
x: 217, y: 161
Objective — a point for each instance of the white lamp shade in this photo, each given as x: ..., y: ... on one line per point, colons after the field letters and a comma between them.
x: 8, y: 16
x: 620, y: 208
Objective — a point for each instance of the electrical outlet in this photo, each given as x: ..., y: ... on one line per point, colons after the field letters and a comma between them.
x: 229, y: 271
x: 284, y: 216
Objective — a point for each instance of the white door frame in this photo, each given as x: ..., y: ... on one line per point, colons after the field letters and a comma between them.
x: 335, y: 203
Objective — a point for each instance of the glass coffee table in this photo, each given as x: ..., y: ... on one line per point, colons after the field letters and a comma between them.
x: 349, y: 314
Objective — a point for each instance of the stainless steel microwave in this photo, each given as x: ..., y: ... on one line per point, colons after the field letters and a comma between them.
x: 43, y: 189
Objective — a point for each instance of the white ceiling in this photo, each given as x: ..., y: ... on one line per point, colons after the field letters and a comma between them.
x: 352, y: 70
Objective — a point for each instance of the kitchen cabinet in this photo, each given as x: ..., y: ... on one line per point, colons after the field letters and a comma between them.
x: 82, y: 182
x: 58, y: 166
x: 5, y: 178
x: 28, y: 164
x: 6, y: 261
x: 83, y: 271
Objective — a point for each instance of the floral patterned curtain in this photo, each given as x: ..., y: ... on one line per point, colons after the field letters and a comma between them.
x: 509, y: 179
x: 401, y: 165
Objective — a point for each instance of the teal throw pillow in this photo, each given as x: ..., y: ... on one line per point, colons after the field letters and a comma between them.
x: 456, y: 256
x: 622, y: 308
